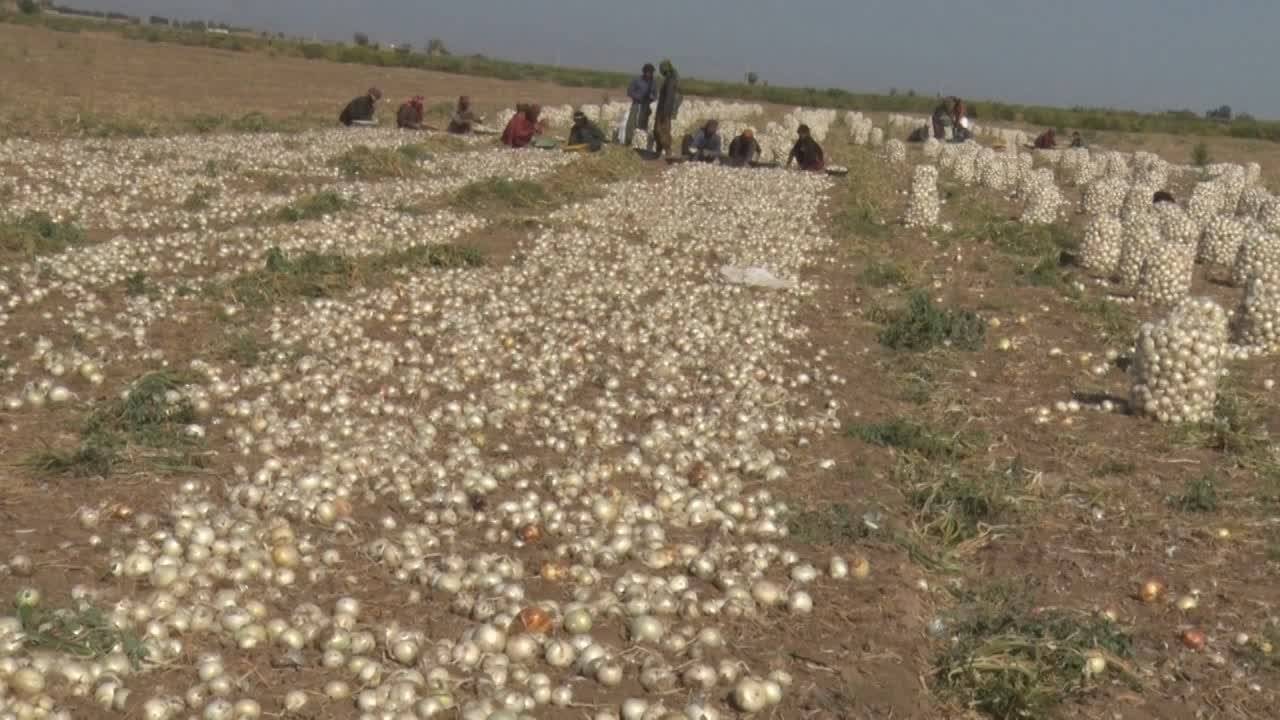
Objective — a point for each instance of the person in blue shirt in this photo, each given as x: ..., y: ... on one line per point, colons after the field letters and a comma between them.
x: 642, y: 91
x: 704, y: 145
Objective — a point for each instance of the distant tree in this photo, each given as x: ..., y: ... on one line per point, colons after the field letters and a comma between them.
x: 361, y: 39
x: 436, y: 46
x: 28, y: 7
x: 404, y: 48
x: 157, y: 20
x: 1222, y: 113
x: 893, y: 92
x: 911, y: 93
x: 752, y: 78
x: 1245, y: 117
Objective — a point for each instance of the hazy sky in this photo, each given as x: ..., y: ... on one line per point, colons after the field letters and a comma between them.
x: 1142, y: 54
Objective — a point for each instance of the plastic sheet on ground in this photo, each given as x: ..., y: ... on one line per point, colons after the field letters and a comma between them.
x: 755, y: 277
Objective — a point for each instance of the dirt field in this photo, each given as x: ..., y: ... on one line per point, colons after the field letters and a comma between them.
x: 386, y: 367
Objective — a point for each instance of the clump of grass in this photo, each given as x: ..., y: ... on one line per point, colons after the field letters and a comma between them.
x: 1008, y: 659
x: 244, y: 349
x: 1237, y: 429
x: 314, y: 206
x: 954, y: 506
x: 1114, y: 467
x: 1199, y: 495
x: 318, y: 275
x: 1022, y: 239
x: 85, y: 633
x: 200, y: 197
x: 1111, y: 318
x: 136, y: 285
x: 830, y: 525
x: 501, y: 193
x: 1200, y: 154
x: 883, y: 274
x: 923, y: 326
x: 362, y: 161
x: 152, y: 417
x: 909, y: 436
x: 1047, y: 272
x: 37, y: 233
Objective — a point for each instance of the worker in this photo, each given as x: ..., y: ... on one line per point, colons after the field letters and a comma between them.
x: 585, y: 134
x: 806, y: 153
x: 410, y: 114
x: 361, y: 109
x: 744, y: 149
x: 941, y: 115
x: 1047, y: 140
x: 642, y: 91
x: 668, y: 106
x: 959, y: 123
x: 1076, y: 140
x: 704, y: 145
x: 523, y: 126
x: 462, y: 121
x: 1162, y: 196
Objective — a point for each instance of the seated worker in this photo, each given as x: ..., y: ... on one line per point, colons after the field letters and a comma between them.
x: 409, y: 116
x: 744, y: 149
x: 585, y: 134
x: 806, y: 153
x: 1047, y: 140
x: 523, y: 127
x: 1076, y: 140
x: 463, y: 120
x: 704, y: 145
x: 361, y: 109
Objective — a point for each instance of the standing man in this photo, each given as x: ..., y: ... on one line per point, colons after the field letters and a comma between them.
x: 642, y: 92
x: 668, y: 105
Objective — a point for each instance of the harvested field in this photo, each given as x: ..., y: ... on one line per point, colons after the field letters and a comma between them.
x: 337, y: 423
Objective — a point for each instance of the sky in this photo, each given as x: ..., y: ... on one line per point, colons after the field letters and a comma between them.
x: 1135, y: 54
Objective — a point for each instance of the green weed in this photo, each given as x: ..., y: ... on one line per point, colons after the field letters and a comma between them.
x: 1199, y: 495
x: 1007, y: 659
x: 501, y: 193
x: 368, y: 163
x: 883, y: 274
x: 314, y: 206
x: 200, y: 198
x: 908, y: 436
x: 923, y: 326
x: 953, y: 506
x: 1022, y: 239
x: 828, y: 525
x: 85, y: 633
x: 37, y: 234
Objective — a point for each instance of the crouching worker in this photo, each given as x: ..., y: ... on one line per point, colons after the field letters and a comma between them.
x: 523, y: 126
x: 1048, y: 140
x: 463, y: 120
x: 585, y: 135
x: 410, y: 114
x: 806, y: 153
x: 744, y: 149
x: 704, y: 145
x: 361, y: 109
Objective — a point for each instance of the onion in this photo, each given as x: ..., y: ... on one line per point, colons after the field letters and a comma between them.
x: 749, y: 695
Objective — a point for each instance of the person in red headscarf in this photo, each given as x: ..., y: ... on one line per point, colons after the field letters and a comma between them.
x: 361, y: 109
x: 1047, y: 140
x: 410, y: 114
x: 523, y: 127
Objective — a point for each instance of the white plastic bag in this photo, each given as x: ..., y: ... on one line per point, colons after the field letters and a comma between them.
x: 755, y: 277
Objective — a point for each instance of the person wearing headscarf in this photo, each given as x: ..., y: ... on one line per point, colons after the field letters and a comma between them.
x: 806, y: 153
x: 585, y: 133
x: 1076, y: 140
x: 744, y: 149
x: 705, y: 144
x: 361, y: 109
x: 410, y: 114
x: 642, y: 91
x: 463, y: 120
x: 523, y: 126
x: 941, y: 115
x: 1047, y: 140
x: 668, y: 106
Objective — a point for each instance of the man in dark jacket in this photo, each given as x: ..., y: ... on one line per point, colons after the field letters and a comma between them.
x: 668, y: 106
x: 642, y: 91
x: 941, y: 115
x: 744, y: 149
x: 585, y: 133
x: 361, y: 109
x: 806, y: 153
x: 410, y: 114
